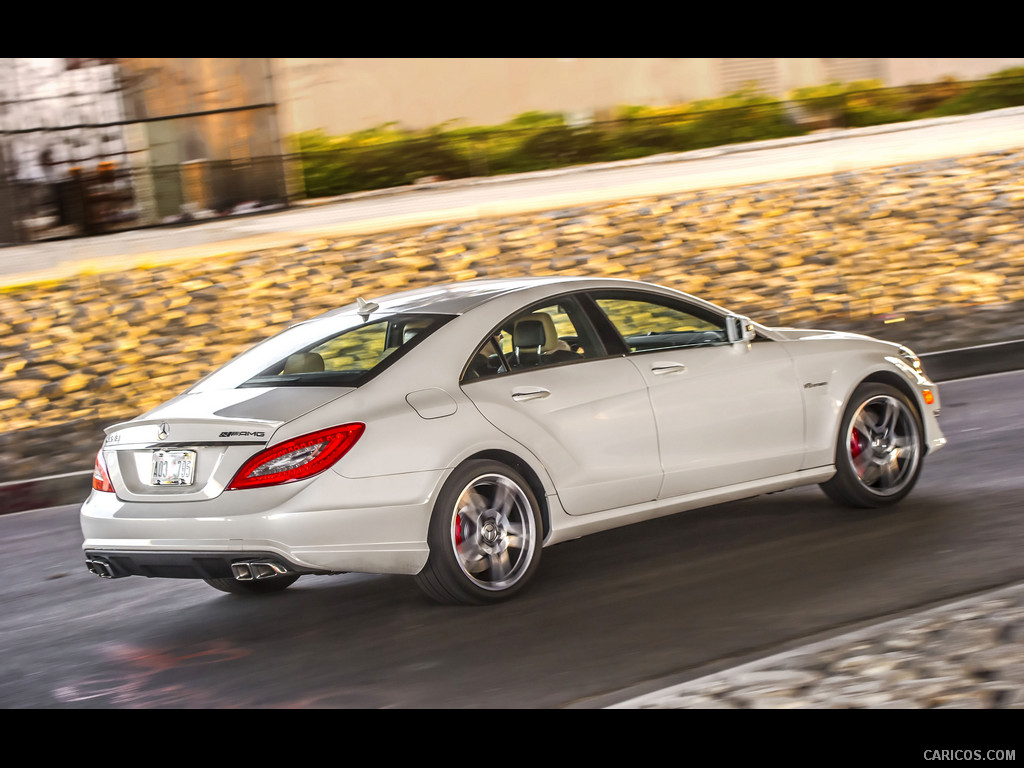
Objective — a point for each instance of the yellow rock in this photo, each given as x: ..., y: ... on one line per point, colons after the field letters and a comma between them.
x: 23, y: 389
x: 524, y: 233
x: 393, y: 280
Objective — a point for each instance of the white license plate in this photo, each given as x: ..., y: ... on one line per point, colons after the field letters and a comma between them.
x: 173, y: 467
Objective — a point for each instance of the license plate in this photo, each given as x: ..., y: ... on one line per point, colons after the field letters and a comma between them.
x: 173, y: 467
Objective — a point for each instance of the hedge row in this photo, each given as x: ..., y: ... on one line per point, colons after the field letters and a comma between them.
x: 389, y: 156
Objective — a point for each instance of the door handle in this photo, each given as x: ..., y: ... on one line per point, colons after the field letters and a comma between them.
x: 519, y: 395
x: 660, y: 369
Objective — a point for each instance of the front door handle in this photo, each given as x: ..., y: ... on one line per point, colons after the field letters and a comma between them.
x: 522, y: 393
x: 660, y: 369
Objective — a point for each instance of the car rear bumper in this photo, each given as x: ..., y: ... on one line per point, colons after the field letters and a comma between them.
x: 325, y: 525
x: 116, y: 564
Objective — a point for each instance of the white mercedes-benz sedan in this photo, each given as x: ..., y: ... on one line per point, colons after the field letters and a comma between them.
x: 451, y: 433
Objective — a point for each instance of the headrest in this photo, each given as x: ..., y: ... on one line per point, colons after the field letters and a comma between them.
x: 303, y: 362
x: 536, y: 330
x: 412, y: 328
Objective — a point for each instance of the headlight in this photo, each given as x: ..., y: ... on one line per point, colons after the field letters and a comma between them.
x: 911, y: 359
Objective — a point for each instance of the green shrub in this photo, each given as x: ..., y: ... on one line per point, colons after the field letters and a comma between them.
x: 638, y: 139
x: 741, y: 117
x: 1003, y: 89
x: 322, y: 173
x: 851, y: 105
x: 561, y: 145
x: 388, y: 156
x: 375, y: 159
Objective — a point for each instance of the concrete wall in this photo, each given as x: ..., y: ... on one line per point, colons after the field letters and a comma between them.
x: 342, y: 95
x: 906, y: 71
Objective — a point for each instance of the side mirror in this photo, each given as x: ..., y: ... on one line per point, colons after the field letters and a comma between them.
x: 739, y: 328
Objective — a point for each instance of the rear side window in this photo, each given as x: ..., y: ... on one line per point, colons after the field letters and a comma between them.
x: 351, y: 357
x: 335, y: 351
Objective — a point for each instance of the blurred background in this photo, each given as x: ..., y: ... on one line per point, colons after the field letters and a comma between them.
x: 89, y: 146
x: 927, y: 253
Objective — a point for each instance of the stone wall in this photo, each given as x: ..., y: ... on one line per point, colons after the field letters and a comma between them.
x: 938, y: 245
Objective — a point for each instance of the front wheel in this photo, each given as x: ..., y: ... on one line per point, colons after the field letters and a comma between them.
x: 879, y: 448
x: 484, y: 536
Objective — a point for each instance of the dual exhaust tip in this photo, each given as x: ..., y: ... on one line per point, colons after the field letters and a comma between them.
x: 101, y: 567
x: 255, y: 570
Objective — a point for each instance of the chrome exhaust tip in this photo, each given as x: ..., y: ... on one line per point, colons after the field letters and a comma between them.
x: 101, y: 567
x: 249, y: 571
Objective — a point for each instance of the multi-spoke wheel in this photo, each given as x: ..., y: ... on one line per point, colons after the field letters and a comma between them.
x: 879, y: 449
x: 484, y: 536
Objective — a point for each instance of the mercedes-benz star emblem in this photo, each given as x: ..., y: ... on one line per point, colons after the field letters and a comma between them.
x: 164, y: 429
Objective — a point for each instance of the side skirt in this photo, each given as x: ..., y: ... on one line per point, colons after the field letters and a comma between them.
x: 567, y: 527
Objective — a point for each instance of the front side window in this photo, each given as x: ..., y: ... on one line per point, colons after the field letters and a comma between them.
x: 541, y: 336
x: 648, y: 324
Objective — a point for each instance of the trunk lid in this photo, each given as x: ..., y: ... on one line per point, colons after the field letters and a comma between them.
x: 189, y: 448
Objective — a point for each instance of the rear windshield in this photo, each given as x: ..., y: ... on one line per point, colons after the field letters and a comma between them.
x: 338, y: 351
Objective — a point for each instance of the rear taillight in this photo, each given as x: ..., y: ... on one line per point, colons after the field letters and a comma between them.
x: 100, y: 478
x: 298, y: 458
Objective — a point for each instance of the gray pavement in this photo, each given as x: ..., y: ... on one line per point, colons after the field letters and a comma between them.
x: 967, y: 654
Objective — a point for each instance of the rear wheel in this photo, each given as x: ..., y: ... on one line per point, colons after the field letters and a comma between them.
x: 255, y: 586
x: 879, y: 448
x: 484, y: 536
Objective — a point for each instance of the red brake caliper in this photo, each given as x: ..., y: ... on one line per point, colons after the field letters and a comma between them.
x: 855, y: 444
x: 458, y: 529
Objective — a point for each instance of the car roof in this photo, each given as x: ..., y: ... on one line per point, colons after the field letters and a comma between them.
x: 458, y: 298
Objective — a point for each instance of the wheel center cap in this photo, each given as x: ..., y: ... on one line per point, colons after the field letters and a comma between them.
x: 490, y: 532
x: 882, y: 447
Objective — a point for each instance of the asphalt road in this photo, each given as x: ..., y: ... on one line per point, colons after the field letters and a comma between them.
x: 659, y: 601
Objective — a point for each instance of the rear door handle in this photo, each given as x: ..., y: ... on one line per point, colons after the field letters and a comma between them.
x: 522, y: 393
x: 660, y: 369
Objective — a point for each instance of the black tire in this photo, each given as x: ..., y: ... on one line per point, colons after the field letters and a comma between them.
x: 484, y: 536
x: 254, y: 587
x: 879, y: 449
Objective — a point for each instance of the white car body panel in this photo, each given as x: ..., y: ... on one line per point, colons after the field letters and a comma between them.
x: 742, y: 409
x: 619, y: 439
x: 576, y: 527
x: 222, y: 426
x: 333, y: 524
x: 831, y: 365
x: 591, y: 425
